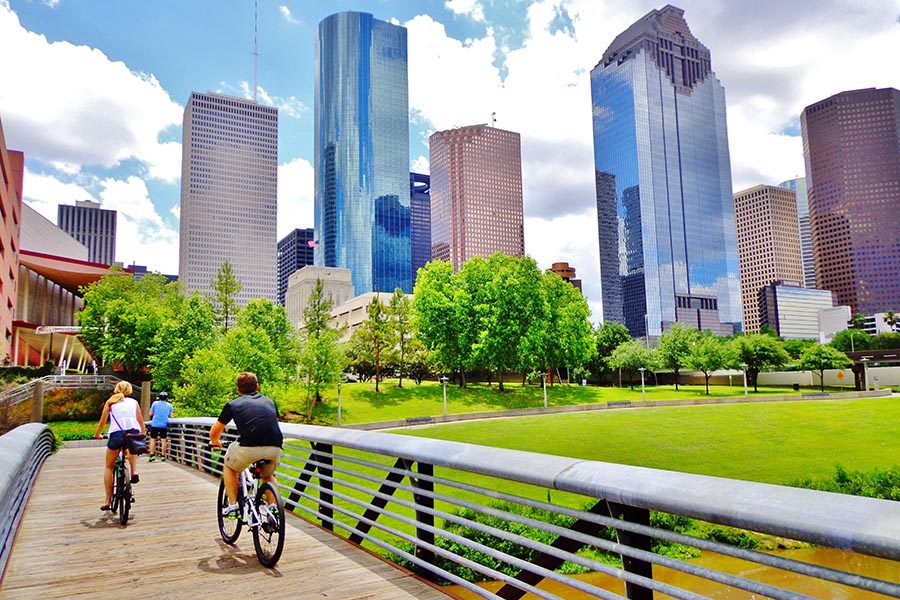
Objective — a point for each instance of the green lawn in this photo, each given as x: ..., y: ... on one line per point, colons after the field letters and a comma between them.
x: 361, y: 404
x: 73, y: 430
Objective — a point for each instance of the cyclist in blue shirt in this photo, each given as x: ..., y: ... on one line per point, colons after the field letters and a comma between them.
x: 160, y: 411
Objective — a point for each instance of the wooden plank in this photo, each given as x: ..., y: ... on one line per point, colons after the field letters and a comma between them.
x: 67, y: 548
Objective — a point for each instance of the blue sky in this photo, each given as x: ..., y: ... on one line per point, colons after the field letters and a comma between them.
x: 95, y: 93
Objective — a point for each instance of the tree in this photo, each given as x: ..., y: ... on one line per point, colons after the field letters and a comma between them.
x: 225, y: 286
x: 891, y: 319
x: 769, y: 331
x: 399, y: 314
x: 189, y: 328
x: 271, y: 318
x: 709, y: 354
x: 248, y: 348
x: 850, y: 340
x: 207, y: 383
x: 858, y: 321
x: 568, y: 340
x: 445, y: 317
x: 321, y: 356
x: 759, y: 352
x: 818, y: 358
x: 360, y: 358
x: 607, y: 338
x: 421, y: 360
x: 121, y: 316
x: 675, y: 348
x: 375, y: 330
x: 631, y: 356
x: 887, y: 341
x: 795, y: 348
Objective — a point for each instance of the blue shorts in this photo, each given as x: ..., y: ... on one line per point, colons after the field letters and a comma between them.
x: 117, y: 438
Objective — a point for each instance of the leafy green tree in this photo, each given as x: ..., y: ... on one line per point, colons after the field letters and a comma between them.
x: 376, y: 330
x: 675, y: 348
x: 568, y: 338
x: 631, y: 356
x: 851, y: 340
x: 818, y: 358
x: 858, y: 321
x: 444, y: 317
x: 360, y: 357
x: 321, y: 357
x: 891, y: 319
x: 248, y: 348
x: 399, y: 315
x: 225, y: 286
x: 759, y: 352
x: 607, y: 338
x: 795, y: 348
x: 271, y: 318
x: 710, y: 353
x: 769, y: 331
x: 189, y: 328
x: 207, y: 383
x: 421, y: 360
x: 121, y: 316
x: 887, y: 341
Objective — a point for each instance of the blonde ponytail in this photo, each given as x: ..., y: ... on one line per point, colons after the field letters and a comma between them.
x: 123, y: 389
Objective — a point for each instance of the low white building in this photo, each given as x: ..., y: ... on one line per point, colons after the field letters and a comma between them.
x: 832, y: 321
x: 337, y: 286
x: 353, y: 313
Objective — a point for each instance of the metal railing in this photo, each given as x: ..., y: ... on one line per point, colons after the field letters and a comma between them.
x: 22, y: 452
x: 420, y: 501
x: 25, y: 392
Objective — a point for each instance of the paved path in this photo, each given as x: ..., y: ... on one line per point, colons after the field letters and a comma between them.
x: 67, y: 548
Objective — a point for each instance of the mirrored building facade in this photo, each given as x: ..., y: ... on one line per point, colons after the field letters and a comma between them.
x: 663, y: 169
x: 362, y: 200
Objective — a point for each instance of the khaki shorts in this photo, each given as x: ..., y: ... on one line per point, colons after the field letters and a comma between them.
x: 239, y: 457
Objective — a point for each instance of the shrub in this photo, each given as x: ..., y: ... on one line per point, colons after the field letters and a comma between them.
x: 25, y: 374
x: 74, y: 405
x: 877, y: 483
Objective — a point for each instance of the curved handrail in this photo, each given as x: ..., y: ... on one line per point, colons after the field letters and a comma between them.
x: 22, y: 452
x: 25, y: 391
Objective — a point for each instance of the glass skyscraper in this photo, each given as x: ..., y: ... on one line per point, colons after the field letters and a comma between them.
x: 667, y: 236
x: 419, y: 221
x: 362, y: 202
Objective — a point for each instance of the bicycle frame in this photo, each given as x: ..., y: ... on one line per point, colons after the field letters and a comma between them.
x: 249, y: 484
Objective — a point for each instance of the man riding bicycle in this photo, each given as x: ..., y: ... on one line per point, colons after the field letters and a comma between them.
x: 259, y: 437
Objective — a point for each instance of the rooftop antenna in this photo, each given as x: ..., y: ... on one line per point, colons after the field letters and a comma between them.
x: 255, y: 52
x: 493, y: 119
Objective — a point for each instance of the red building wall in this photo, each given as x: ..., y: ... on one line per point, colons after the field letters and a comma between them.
x: 12, y: 166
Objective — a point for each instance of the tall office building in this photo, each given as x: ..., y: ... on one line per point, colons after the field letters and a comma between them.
x: 229, y: 177
x: 851, y: 143
x: 768, y: 242
x: 362, y: 151
x: 12, y: 167
x: 91, y: 225
x: 663, y: 181
x: 295, y: 251
x: 798, y: 186
x: 419, y: 221
x: 476, y: 193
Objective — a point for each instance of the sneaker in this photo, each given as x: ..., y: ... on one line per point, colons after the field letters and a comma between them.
x: 163, y: 458
x: 152, y: 458
x: 232, y: 511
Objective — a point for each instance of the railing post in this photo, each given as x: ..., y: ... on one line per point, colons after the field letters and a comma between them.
x: 424, y: 518
x: 37, y: 402
x: 641, y: 516
x: 325, y: 475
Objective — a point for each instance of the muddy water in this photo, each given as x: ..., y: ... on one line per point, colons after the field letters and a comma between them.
x: 847, y: 561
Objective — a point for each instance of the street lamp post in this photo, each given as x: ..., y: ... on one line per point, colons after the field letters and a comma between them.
x: 339, y: 404
x: 443, y: 381
x: 544, y: 385
x: 744, y: 369
x: 643, y: 390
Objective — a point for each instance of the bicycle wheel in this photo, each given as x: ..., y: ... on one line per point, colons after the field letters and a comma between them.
x: 229, y: 527
x: 268, y: 537
x: 126, y: 503
x: 118, y: 479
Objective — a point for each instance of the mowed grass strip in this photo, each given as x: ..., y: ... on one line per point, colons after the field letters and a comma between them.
x: 776, y: 442
x: 361, y: 404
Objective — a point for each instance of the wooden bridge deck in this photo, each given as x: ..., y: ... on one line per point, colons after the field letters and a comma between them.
x: 67, y: 548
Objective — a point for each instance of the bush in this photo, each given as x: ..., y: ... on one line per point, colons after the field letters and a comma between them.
x: 877, y: 483
x: 26, y: 374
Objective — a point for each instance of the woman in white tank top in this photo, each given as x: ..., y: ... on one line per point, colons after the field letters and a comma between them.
x: 124, y: 414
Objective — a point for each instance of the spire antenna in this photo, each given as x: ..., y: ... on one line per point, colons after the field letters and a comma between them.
x: 255, y: 51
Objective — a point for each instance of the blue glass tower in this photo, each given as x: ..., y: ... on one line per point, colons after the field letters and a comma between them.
x: 420, y: 221
x: 668, y: 249
x: 362, y: 199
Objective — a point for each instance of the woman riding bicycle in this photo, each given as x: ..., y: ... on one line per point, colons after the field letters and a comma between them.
x: 124, y: 414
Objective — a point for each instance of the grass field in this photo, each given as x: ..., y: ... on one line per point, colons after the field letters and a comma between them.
x: 361, y: 404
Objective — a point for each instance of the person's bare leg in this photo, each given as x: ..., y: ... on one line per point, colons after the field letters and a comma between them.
x: 271, y: 479
x: 231, y: 484
x: 132, y: 460
x: 152, y: 446
x: 165, y: 447
x: 108, y: 474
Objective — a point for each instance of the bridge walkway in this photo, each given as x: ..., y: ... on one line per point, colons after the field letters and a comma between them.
x: 67, y: 548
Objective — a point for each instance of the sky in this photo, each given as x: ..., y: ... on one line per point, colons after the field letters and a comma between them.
x: 94, y: 91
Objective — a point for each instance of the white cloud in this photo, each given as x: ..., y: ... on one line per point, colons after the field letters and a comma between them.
x: 176, y: 211
x: 45, y: 192
x: 295, y: 196
x: 72, y: 105
x: 288, y: 16
x: 290, y: 106
x: 472, y: 8
x: 51, y: 3
x: 421, y: 165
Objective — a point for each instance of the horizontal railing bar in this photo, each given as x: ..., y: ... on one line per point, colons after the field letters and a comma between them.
x: 615, y: 547
x: 802, y: 568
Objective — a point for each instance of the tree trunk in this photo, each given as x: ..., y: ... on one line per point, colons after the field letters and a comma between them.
x: 500, y: 380
x: 462, y: 378
x: 753, y: 374
x: 400, y: 384
x: 707, y: 382
x: 631, y: 379
x: 377, y: 366
x: 676, y: 379
x: 822, y: 378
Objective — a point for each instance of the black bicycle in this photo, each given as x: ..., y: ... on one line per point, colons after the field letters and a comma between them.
x: 261, y: 510
x: 122, y: 495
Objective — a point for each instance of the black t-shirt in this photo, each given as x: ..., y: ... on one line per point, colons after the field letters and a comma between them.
x: 256, y: 420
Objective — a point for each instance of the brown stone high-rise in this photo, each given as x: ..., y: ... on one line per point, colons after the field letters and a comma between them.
x: 851, y: 143
x: 476, y: 193
x: 12, y: 166
x: 768, y: 241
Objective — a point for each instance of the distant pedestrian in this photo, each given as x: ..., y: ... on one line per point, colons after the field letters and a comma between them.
x: 93, y: 367
x: 160, y: 411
